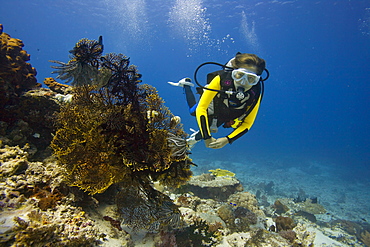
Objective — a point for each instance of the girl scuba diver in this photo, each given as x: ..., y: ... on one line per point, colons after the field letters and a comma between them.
x: 231, y: 98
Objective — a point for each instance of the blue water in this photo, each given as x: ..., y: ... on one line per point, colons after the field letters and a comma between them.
x: 316, y: 102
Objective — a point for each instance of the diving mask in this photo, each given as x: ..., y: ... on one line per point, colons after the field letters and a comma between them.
x: 245, y: 77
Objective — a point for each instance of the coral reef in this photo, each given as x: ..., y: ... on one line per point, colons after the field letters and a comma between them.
x: 117, y: 131
x: 280, y: 207
x: 237, y: 219
x: 197, y: 234
x: 215, y: 187
x: 246, y: 200
x: 65, y: 226
x: 147, y: 209
x: 31, y: 214
x: 26, y: 110
x: 303, y: 236
x: 190, y: 221
x: 57, y: 87
x: 284, y: 223
x: 16, y: 75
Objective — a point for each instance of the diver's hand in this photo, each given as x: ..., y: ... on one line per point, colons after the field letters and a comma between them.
x: 183, y: 82
x: 208, y: 141
x: 219, y: 143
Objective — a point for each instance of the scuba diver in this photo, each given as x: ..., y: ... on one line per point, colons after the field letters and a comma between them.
x: 231, y: 98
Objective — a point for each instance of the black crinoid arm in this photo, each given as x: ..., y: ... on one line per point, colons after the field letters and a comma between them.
x: 83, y: 66
x: 123, y: 84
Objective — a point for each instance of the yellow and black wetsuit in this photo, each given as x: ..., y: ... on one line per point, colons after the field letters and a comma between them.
x: 226, y: 109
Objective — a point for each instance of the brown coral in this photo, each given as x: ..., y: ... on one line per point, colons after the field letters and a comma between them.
x: 280, y: 207
x: 289, y: 235
x: 47, y: 198
x: 284, y: 223
x: 25, y: 108
x: 16, y: 75
x: 106, y: 134
x: 365, y: 238
x: 118, y: 131
x: 57, y: 87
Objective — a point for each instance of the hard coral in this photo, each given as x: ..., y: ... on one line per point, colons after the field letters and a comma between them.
x: 47, y: 198
x: 26, y: 109
x: 284, y: 223
x: 16, y: 75
x: 246, y: 200
x: 237, y: 219
x: 215, y: 187
x: 57, y: 87
x: 279, y: 207
x: 312, y: 208
x: 65, y: 226
x: 197, y: 234
x: 289, y: 235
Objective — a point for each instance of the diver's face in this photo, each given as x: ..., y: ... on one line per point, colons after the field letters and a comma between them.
x: 245, y: 76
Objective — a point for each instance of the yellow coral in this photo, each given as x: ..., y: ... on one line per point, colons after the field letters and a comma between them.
x: 221, y: 173
x: 91, y: 145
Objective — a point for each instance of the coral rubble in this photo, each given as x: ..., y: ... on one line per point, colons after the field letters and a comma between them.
x: 27, y: 217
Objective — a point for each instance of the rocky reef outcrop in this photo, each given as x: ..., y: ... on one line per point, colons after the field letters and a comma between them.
x: 26, y: 109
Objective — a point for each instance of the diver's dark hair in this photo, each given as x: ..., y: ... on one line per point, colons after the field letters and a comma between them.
x: 249, y: 59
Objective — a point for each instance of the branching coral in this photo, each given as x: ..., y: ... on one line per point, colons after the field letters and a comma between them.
x: 117, y: 130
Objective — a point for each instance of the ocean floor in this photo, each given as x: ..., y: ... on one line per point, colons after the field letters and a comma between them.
x: 343, y: 199
x: 240, y: 210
